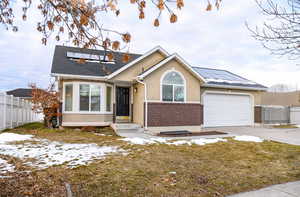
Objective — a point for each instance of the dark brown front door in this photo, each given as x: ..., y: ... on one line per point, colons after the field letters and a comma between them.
x: 122, y: 101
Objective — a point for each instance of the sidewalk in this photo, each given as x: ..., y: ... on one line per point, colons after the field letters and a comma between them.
x: 291, y: 189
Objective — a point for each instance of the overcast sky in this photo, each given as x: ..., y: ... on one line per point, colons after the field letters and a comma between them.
x: 217, y: 39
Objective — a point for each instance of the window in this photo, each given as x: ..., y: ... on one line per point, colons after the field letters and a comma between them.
x: 90, y: 97
x: 68, y: 97
x: 108, y: 98
x: 173, y: 87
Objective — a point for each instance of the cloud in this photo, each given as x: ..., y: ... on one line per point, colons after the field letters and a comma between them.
x: 217, y: 39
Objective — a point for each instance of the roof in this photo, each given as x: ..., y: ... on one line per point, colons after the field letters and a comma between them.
x: 61, y: 64
x: 20, y: 92
x: 218, y: 77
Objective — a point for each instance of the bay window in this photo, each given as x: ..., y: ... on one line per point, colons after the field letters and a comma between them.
x: 83, y: 97
x: 173, y: 87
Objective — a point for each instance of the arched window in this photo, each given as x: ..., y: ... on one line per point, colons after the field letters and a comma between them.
x: 173, y: 87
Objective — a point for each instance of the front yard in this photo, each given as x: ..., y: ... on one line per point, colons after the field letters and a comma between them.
x: 101, y: 164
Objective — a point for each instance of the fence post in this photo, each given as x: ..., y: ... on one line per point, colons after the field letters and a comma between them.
x: 4, y: 111
x: 11, y: 110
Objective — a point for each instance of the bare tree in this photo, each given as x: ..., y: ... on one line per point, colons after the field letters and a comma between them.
x: 81, y: 21
x: 281, y: 33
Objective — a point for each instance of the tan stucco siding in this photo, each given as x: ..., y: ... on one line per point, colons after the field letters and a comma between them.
x: 138, y: 104
x: 192, y: 83
x: 87, y: 118
x: 132, y: 72
x: 256, y: 94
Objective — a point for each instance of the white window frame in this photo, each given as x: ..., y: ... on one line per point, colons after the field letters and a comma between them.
x: 76, y: 98
x: 90, y: 93
x: 173, y: 85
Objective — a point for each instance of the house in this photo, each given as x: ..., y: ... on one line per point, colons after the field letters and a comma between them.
x: 281, y: 98
x: 156, y: 90
x: 24, y: 93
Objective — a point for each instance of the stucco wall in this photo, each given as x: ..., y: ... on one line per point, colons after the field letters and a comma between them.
x: 87, y: 117
x: 192, y: 83
x: 256, y: 94
x: 138, y: 104
x: 132, y: 72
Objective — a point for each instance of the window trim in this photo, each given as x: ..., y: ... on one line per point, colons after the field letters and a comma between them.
x: 90, y: 97
x: 76, y: 98
x: 161, y: 86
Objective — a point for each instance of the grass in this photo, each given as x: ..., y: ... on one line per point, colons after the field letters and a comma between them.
x: 212, y: 170
x: 285, y: 126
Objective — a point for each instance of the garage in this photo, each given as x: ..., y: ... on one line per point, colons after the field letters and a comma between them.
x: 227, y: 109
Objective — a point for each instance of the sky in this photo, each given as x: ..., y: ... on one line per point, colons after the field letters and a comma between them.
x: 217, y: 39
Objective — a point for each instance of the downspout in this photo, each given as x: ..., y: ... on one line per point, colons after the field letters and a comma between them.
x: 146, y: 102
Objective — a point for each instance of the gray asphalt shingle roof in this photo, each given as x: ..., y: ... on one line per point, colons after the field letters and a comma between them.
x: 225, y: 78
x: 61, y: 64
x: 21, y: 92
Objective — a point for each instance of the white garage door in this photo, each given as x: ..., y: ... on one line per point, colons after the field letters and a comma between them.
x: 227, y: 110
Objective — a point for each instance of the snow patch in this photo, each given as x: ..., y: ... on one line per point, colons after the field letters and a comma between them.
x: 201, y: 141
x: 247, y: 138
x: 137, y: 140
x: 5, y: 167
x: 13, y: 137
x: 45, y: 153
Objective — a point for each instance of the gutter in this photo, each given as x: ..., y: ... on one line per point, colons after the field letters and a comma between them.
x: 146, y: 102
x: 79, y: 76
x: 233, y: 87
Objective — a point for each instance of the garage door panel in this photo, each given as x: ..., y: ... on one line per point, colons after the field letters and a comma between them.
x: 227, y: 110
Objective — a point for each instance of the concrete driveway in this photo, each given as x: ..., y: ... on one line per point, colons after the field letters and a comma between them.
x: 289, y: 136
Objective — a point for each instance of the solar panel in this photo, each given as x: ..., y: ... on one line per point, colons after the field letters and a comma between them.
x: 89, y: 57
x: 85, y: 56
x: 220, y: 75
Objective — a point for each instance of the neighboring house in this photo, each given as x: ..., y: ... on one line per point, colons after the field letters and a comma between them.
x: 155, y: 89
x: 24, y: 93
x: 281, y: 98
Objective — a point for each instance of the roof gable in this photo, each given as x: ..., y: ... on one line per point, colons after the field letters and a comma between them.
x: 152, y: 51
x: 176, y: 57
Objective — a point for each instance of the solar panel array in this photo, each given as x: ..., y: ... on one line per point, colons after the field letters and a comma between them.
x: 85, y: 56
x: 89, y: 57
x: 218, y: 74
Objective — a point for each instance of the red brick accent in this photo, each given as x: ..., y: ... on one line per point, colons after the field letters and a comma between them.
x: 174, y: 114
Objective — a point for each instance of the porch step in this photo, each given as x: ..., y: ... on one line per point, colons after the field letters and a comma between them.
x: 127, y: 127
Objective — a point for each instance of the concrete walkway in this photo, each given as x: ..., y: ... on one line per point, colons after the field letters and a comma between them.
x: 289, y: 136
x: 134, y: 133
x: 291, y: 189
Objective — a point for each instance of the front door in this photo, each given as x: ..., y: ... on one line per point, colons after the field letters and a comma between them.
x: 122, y: 101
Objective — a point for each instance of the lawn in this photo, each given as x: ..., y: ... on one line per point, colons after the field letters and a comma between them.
x: 216, y: 169
x: 286, y: 126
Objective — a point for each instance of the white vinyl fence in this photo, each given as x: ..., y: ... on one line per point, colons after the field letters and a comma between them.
x: 295, y: 115
x: 15, y: 112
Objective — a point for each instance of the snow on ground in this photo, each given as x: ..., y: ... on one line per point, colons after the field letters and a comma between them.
x: 143, y: 141
x: 12, y: 137
x: 247, y: 138
x: 44, y: 153
x: 6, y: 167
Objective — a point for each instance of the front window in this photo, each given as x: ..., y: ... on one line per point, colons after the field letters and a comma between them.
x: 68, y: 97
x: 90, y: 97
x: 173, y: 87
